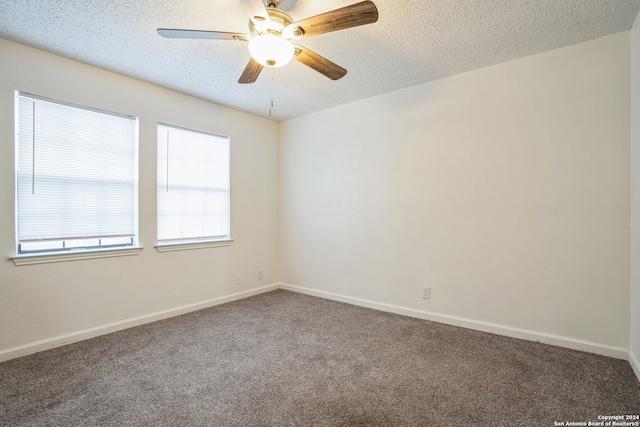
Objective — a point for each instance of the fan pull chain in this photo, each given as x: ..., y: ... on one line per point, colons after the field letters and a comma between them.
x: 271, y: 92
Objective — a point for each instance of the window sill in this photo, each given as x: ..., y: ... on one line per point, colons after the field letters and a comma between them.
x: 73, y: 255
x: 184, y: 246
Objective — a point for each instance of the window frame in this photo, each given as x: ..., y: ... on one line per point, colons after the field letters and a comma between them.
x: 180, y: 244
x: 44, y: 255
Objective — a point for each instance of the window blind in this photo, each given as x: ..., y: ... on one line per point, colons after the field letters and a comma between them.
x: 193, y: 185
x: 76, y: 176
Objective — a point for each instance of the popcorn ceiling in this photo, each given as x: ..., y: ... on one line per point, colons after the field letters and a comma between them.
x: 413, y: 42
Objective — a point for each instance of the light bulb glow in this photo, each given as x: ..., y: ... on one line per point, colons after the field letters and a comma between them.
x: 271, y: 50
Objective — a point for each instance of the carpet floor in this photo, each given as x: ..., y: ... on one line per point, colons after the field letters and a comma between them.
x: 287, y: 359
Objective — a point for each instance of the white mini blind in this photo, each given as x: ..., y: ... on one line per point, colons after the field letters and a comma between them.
x: 76, y: 176
x: 193, y: 185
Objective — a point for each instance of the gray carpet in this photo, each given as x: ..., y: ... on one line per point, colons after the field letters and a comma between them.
x: 286, y: 359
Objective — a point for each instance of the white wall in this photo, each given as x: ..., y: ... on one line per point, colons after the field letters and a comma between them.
x: 635, y: 196
x: 42, y: 302
x: 506, y: 190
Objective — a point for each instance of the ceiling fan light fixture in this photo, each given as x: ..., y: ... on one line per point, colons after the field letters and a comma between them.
x: 271, y: 50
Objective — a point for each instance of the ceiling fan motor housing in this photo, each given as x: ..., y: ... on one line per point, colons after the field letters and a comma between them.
x: 279, y: 21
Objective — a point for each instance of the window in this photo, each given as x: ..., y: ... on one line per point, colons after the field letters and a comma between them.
x: 76, y: 177
x: 193, y: 186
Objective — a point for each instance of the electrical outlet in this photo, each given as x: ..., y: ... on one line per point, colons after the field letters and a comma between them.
x: 260, y: 274
x: 426, y: 292
x: 238, y: 281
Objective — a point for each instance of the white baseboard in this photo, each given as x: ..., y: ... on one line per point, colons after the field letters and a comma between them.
x: 635, y: 363
x: 61, y: 340
x: 560, y: 341
x: 575, y: 344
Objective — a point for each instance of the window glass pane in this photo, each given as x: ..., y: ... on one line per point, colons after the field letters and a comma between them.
x: 193, y: 185
x: 76, y: 176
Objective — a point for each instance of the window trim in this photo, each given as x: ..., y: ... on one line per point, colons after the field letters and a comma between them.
x: 75, y: 105
x: 74, y: 255
x: 47, y: 256
x: 183, y: 246
x: 171, y: 245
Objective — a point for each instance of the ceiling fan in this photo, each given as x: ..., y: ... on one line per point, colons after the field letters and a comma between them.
x: 273, y: 32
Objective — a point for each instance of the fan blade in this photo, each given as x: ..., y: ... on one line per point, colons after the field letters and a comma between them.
x: 200, y: 34
x: 318, y: 63
x: 357, y: 14
x: 256, y: 10
x: 251, y: 72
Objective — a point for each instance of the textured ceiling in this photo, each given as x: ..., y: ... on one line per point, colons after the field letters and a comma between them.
x: 414, y: 41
